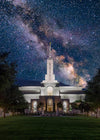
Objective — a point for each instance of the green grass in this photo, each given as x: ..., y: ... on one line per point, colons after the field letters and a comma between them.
x: 53, y: 128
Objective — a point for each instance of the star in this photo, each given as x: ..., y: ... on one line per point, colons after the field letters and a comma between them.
x: 27, y: 27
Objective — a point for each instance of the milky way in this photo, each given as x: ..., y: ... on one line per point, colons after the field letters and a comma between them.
x: 72, y: 26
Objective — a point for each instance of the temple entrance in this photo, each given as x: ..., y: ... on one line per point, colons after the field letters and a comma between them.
x: 49, y: 109
x: 49, y: 105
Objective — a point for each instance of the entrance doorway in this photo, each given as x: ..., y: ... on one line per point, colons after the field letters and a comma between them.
x: 49, y: 109
x: 49, y: 105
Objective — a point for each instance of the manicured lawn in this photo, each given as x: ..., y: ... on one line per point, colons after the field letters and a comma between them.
x: 53, y: 128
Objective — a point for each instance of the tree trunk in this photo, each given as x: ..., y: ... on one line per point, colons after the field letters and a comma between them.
x: 96, y: 115
x: 13, y: 113
x: 97, y: 112
x: 4, y: 114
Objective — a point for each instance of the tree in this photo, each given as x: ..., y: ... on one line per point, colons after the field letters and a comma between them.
x: 6, y: 71
x: 16, y: 102
x: 84, y: 107
x: 74, y: 105
x: 40, y: 105
x: 93, y: 92
x: 59, y: 105
x: 10, y: 97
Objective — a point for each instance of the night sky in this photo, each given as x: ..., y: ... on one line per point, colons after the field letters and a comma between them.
x: 72, y: 26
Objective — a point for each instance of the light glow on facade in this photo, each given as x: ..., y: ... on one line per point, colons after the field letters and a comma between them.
x: 50, y: 91
x: 65, y: 105
x: 34, y: 106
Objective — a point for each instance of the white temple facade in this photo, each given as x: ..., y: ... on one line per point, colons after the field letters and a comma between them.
x: 50, y: 96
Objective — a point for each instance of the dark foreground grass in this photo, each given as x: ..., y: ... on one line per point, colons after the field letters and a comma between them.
x: 53, y: 128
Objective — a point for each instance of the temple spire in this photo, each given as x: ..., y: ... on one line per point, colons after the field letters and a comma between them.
x: 50, y: 50
x: 50, y: 76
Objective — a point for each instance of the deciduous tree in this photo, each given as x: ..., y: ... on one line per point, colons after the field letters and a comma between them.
x: 93, y: 92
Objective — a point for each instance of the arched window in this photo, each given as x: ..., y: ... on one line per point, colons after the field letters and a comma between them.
x: 50, y: 91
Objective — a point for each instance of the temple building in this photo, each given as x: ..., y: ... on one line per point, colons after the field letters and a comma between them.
x: 50, y: 96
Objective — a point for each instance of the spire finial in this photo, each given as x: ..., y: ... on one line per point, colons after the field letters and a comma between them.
x: 50, y: 50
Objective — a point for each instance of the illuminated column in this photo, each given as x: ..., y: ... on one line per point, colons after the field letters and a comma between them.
x: 65, y: 104
x: 34, y: 106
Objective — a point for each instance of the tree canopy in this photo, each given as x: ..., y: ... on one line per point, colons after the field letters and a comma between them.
x: 93, y: 90
x: 10, y: 97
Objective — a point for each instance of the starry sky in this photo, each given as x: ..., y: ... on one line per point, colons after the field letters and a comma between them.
x: 72, y: 26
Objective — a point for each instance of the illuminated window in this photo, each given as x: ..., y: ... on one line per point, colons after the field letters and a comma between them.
x: 50, y: 91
